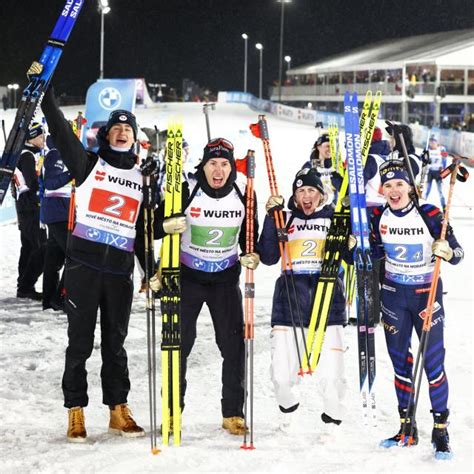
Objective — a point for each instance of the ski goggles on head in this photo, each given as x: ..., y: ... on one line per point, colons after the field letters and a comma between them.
x: 215, y: 142
x: 218, y: 148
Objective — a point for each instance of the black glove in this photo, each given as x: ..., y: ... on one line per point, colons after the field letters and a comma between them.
x: 149, y: 167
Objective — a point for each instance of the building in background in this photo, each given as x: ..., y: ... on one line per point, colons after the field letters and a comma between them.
x: 427, y: 79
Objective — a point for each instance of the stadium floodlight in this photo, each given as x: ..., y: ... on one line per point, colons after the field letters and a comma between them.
x: 259, y: 46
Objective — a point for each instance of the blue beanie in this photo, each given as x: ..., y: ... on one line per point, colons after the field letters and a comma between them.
x: 393, y: 169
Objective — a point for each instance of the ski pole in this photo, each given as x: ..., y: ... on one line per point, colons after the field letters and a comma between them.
x: 148, y: 215
x: 397, y: 130
x: 4, y: 131
x: 461, y: 174
x: 425, y: 161
x: 260, y: 130
x: 249, y: 301
x: 205, y: 109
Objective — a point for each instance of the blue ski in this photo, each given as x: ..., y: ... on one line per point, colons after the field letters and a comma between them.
x: 34, y: 91
x: 362, y: 260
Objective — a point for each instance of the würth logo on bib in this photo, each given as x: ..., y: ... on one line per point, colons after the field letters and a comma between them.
x: 100, y: 175
x: 291, y: 229
x: 383, y: 229
x: 195, y: 211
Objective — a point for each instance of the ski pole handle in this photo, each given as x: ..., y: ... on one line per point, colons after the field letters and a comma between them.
x: 262, y: 122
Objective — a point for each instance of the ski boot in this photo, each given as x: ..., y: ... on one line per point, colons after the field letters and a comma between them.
x: 327, y: 419
x: 402, y: 437
x: 440, y: 436
x: 286, y: 418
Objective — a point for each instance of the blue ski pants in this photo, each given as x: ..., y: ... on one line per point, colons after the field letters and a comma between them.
x: 402, y: 310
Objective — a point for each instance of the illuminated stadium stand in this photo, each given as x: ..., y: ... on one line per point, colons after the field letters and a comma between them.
x: 426, y: 79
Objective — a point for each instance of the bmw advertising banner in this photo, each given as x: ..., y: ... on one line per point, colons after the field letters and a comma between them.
x: 103, y: 97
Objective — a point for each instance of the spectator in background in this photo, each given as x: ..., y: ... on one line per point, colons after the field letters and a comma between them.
x: 320, y: 159
x: 26, y: 194
x: 55, y: 212
x: 437, y: 154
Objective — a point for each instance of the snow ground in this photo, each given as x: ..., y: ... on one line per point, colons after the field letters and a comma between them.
x: 34, y: 421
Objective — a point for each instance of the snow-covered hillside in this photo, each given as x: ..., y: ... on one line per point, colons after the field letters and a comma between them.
x: 33, y: 421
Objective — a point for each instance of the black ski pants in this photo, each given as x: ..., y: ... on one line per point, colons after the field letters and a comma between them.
x: 224, y: 301
x: 53, y: 262
x: 87, y: 291
x: 33, y: 242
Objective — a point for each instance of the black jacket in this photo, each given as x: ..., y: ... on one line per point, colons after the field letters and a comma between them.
x: 28, y: 201
x: 80, y: 163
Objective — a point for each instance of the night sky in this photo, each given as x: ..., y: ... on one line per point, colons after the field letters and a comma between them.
x: 166, y: 41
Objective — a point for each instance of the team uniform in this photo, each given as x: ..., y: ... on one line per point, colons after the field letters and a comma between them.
x: 210, y: 271
x: 405, y: 238
x: 33, y: 237
x: 108, y: 228
x: 55, y: 212
x: 306, y: 238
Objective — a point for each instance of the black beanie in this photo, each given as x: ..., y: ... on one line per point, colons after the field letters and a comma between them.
x: 218, y: 148
x: 324, y: 138
x: 35, y: 130
x: 122, y: 116
x: 308, y: 177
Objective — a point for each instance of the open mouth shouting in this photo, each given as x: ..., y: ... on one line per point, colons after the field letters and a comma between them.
x: 396, y: 192
x: 308, y: 206
x: 217, y: 171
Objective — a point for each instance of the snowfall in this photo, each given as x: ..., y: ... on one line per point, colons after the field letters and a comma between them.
x: 33, y: 420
